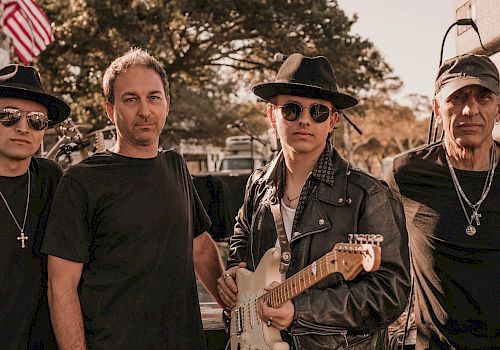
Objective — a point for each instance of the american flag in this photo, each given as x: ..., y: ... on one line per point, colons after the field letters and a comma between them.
x: 27, y: 26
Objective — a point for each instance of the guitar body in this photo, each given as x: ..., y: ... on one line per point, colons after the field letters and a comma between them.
x: 247, y: 330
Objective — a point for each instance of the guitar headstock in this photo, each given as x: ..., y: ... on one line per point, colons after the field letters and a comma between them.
x: 350, y: 258
x: 69, y: 130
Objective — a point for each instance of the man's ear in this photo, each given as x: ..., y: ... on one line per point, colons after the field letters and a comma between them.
x: 333, y: 121
x: 168, y: 104
x: 437, y: 111
x: 271, y: 118
x: 110, y: 108
x: 497, y: 117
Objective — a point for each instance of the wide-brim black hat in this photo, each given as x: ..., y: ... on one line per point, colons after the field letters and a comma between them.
x: 23, y: 82
x: 308, y: 77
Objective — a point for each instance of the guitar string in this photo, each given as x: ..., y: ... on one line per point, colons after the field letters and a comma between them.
x: 296, y: 281
x: 277, y: 296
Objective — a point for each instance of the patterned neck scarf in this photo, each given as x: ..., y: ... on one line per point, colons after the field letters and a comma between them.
x: 322, y: 171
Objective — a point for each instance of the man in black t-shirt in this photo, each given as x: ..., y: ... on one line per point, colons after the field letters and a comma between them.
x: 128, y: 231
x: 27, y: 185
x: 451, y: 192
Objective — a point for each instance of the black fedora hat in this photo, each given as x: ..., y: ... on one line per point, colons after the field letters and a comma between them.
x: 23, y: 82
x: 308, y: 77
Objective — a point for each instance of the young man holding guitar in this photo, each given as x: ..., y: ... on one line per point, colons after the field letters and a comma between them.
x: 308, y: 206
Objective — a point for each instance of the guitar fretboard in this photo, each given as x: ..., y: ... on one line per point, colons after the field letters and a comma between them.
x: 301, y: 281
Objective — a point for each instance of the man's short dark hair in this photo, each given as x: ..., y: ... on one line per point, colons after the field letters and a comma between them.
x: 135, y: 57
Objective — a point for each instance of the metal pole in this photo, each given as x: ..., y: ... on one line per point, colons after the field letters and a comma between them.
x: 251, y: 151
x: 459, y: 22
x: 432, y: 136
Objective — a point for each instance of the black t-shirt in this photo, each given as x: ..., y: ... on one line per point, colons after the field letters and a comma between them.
x: 457, y: 276
x: 131, y: 222
x: 24, y: 319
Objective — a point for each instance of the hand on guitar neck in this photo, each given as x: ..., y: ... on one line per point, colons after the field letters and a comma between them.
x: 281, y: 317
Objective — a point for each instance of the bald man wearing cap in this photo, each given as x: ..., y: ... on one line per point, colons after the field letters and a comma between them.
x: 305, y: 201
x: 27, y: 185
x: 451, y: 190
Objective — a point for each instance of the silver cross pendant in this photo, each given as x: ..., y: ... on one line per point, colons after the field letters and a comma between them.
x: 22, y: 238
x: 475, y: 216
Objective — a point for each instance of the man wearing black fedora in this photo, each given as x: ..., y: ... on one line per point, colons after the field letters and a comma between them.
x: 322, y: 199
x: 27, y: 185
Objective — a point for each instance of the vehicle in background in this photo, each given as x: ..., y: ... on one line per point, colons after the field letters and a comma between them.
x: 238, y: 162
x: 243, y: 154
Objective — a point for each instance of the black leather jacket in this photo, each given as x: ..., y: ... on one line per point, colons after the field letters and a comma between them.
x: 334, y: 314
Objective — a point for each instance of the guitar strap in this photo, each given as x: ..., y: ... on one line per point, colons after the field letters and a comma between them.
x: 286, y: 253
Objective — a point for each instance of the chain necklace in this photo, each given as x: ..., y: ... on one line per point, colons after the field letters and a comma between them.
x: 290, y: 200
x: 21, y: 237
x: 471, y: 230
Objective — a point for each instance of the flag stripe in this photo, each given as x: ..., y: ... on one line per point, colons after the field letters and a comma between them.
x: 20, y: 49
x: 35, y: 21
x: 20, y: 24
x: 19, y: 34
x: 28, y: 27
x: 37, y: 39
x: 39, y: 20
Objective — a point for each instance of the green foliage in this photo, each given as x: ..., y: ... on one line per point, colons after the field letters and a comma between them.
x: 213, y: 51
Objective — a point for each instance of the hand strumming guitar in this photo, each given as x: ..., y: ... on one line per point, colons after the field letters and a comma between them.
x: 226, y: 285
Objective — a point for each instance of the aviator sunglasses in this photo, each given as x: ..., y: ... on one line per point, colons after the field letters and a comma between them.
x: 12, y: 116
x: 292, y: 111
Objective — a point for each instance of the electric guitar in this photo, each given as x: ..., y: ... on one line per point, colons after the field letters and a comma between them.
x: 70, y: 139
x: 248, y: 331
x: 71, y: 133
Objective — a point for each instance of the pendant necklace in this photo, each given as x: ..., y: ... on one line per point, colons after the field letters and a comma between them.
x: 21, y: 237
x: 475, y: 216
x: 290, y: 200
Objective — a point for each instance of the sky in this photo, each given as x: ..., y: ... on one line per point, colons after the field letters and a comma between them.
x: 408, y: 33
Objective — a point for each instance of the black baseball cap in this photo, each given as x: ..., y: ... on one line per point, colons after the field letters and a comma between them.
x: 464, y: 70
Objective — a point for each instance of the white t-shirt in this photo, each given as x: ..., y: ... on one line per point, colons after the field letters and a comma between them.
x: 288, y: 214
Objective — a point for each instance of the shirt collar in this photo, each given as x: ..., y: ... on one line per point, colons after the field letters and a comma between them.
x: 323, y: 170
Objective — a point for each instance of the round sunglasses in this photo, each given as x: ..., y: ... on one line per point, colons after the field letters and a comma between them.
x: 292, y: 111
x: 11, y: 116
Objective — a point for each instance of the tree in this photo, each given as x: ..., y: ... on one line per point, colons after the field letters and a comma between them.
x: 213, y: 52
x: 388, y: 128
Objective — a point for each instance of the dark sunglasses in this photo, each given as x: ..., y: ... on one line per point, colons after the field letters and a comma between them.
x: 12, y: 116
x: 292, y: 111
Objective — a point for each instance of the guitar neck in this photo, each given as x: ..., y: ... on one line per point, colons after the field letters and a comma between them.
x: 302, y: 280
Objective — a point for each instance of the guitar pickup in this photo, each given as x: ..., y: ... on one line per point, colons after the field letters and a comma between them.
x: 239, y: 321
